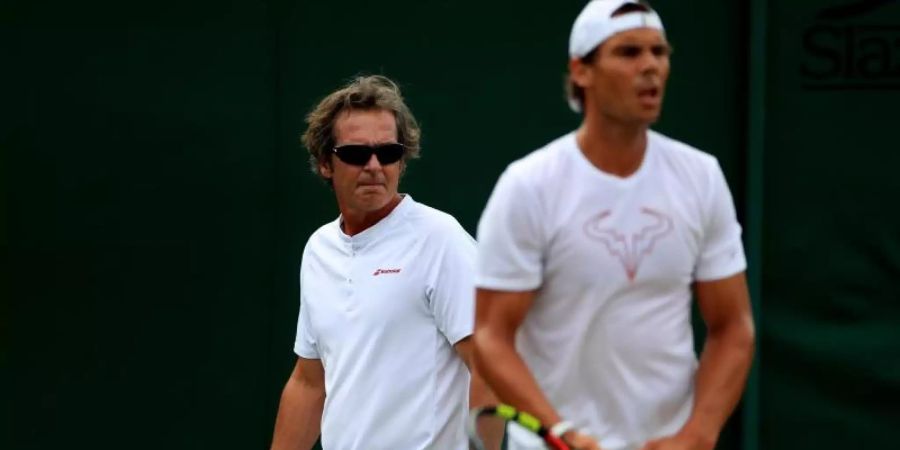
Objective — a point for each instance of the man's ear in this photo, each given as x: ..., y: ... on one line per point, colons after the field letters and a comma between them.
x: 581, y: 73
x: 325, y: 169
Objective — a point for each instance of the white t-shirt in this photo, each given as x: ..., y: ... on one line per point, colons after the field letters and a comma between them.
x: 382, y: 310
x: 609, y: 335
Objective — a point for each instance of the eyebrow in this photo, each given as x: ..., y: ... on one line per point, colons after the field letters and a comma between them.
x: 622, y: 46
x: 638, y: 43
x: 375, y: 143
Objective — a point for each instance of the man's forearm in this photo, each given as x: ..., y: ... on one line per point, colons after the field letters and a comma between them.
x: 510, y: 379
x: 720, y: 380
x: 479, y: 392
x: 481, y: 395
x: 299, y: 417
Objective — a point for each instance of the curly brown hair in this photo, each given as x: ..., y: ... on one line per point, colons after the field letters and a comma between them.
x: 373, y: 92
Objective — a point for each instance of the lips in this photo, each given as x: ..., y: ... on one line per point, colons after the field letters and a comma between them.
x: 651, y: 92
x: 650, y: 98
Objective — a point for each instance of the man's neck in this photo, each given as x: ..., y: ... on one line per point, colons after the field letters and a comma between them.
x: 613, y: 147
x: 354, y: 221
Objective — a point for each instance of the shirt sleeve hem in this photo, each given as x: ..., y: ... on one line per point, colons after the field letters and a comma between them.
x: 305, y: 353
x: 456, y: 337
x: 721, y: 273
x: 508, y: 284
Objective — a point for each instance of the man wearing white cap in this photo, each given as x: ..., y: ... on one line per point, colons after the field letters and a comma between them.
x: 589, y: 250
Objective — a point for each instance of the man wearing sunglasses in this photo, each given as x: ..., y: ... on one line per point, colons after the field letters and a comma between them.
x: 386, y: 309
x: 589, y: 251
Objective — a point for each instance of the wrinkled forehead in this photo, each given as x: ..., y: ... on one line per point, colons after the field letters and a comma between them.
x: 365, y: 126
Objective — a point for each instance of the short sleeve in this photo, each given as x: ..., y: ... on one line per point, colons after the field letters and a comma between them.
x: 510, y: 237
x: 721, y: 252
x: 451, y: 287
x: 305, y: 342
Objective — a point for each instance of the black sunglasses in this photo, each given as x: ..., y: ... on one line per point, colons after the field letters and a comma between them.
x: 359, y: 154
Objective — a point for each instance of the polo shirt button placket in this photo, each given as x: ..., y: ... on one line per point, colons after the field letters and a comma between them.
x: 351, y: 262
x: 349, y: 304
x: 349, y: 289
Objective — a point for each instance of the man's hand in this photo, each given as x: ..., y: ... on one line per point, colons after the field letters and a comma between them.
x: 680, y: 441
x: 578, y: 441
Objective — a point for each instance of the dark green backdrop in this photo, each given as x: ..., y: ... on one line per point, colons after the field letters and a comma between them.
x: 157, y: 199
x: 830, y: 367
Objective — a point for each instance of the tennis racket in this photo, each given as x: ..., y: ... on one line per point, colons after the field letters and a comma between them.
x: 487, y: 425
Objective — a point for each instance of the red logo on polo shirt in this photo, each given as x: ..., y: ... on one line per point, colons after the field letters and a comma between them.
x: 381, y: 271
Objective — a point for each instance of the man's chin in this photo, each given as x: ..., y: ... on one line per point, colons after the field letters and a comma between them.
x: 649, y: 117
x: 372, y: 201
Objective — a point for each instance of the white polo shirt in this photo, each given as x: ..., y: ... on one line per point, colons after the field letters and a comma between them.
x: 382, y: 310
x: 609, y: 334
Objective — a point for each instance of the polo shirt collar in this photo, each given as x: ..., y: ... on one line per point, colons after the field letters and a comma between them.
x: 381, y: 228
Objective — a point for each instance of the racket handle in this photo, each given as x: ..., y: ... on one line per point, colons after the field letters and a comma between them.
x: 556, y: 443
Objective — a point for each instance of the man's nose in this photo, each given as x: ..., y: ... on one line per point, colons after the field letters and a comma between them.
x: 373, y: 163
x: 650, y: 63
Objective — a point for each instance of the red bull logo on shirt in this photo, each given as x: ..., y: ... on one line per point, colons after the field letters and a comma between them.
x: 629, y: 250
